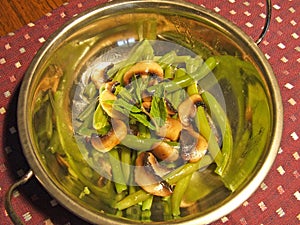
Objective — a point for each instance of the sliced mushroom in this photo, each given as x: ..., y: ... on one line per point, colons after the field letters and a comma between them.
x: 148, y: 175
x: 187, y: 109
x: 146, y: 106
x: 193, y: 146
x: 171, y: 129
x: 143, y: 68
x: 114, y: 137
x: 164, y: 151
x: 170, y: 109
x: 105, y: 99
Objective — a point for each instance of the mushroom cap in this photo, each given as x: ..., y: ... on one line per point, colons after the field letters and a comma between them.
x: 148, y: 175
x: 114, y: 137
x: 171, y: 129
x: 187, y: 109
x: 164, y: 151
x: 193, y: 146
x: 143, y: 68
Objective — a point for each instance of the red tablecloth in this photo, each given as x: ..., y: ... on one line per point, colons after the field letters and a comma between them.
x: 277, y: 199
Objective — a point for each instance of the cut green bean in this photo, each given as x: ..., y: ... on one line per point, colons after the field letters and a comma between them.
x: 139, y: 144
x: 178, y: 193
x: 126, y: 163
x: 167, y: 59
x: 147, y: 203
x: 169, y: 72
x: 252, y: 143
x: 132, y: 199
x: 179, y: 173
x: 188, y: 79
x: 117, y: 171
x: 219, y: 114
x: 205, y: 130
x: 172, y: 178
x: 192, y: 64
x: 180, y: 72
x: 146, y: 216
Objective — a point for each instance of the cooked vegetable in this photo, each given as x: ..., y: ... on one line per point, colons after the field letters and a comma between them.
x: 149, y: 129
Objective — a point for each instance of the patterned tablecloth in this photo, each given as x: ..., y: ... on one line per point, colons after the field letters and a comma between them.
x: 277, y: 199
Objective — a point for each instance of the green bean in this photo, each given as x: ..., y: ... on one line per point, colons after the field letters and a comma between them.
x: 119, y: 213
x: 132, y: 199
x: 147, y: 203
x: 117, y: 171
x: 178, y: 193
x: 126, y: 163
x: 167, y: 212
x: 179, y: 73
x: 181, y: 59
x: 192, y: 89
x: 206, y: 131
x: 253, y: 141
x: 172, y: 178
x: 188, y: 79
x: 137, y: 143
x: 54, y: 144
x: 192, y: 64
x: 167, y: 59
x: 146, y: 216
x: 169, y: 72
x: 223, y: 122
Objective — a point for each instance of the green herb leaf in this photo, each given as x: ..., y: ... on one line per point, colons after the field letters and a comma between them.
x: 158, y: 110
x: 128, y: 107
x: 142, y: 118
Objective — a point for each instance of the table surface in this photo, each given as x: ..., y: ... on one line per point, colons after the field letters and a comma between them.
x: 26, y: 25
x: 14, y: 14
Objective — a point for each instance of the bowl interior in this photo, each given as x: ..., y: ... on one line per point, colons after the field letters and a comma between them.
x: 248, y: 95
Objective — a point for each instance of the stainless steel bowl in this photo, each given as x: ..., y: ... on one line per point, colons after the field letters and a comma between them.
x: 76, y: 45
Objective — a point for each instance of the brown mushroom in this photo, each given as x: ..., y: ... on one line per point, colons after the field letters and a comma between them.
x: 148, y: 175
x: 106, y: 98
x: 171, y: 129
x: 143, y: 68
x: 170, y: 108
x: 187, y: 109
x: 164, y: 151
x: 114, y: 137
x: 193, y: 146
